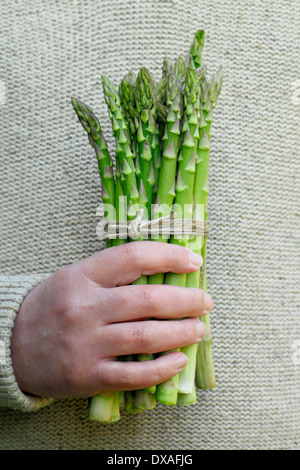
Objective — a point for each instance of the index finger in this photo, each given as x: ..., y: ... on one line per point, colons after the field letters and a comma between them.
x: 124, y: 264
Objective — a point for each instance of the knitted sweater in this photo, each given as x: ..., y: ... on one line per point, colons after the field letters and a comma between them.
x: 50, y: 191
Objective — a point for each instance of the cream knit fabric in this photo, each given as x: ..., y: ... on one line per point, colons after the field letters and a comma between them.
x: 49, y: 193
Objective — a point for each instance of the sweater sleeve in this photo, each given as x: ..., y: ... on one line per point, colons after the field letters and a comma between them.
x: 13, y: 290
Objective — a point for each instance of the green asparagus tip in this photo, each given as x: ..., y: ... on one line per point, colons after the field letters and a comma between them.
x: 172, y: 89
x: 130, y: 78
x: 162, y: 89
x: 215, y: 85
x: 191, y: 90
x: 145, y: 91
x: 80, y: 107
x: 127, y: 96
x: 110, y: 90
x: 167, y: 67
x: 180, y: 68
x: 87, y: 119
x: 197, y: 47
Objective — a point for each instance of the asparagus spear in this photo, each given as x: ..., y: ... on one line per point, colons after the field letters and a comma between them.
x: 166, y: 190
x: 124, y: 151
x: 92, y: 126
x: 143, y: 95
x: 167, y: 391
x: 145, y: 106
x: 187, y: 375
x: 104, y: 406
x: 205, y: 377
x: 127, y: 97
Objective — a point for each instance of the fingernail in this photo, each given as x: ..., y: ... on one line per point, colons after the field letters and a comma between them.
x: 208, y: 303
x: 200, y: 329
x: 181, y: 361
x: 195, y: 259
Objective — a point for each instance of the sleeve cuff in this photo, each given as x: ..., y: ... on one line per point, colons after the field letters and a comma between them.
x: 13, y: 290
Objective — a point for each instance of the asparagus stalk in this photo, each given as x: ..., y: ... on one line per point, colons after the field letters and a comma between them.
x: 145, y: 102
x: 167, y: 392
x: 166, y: 186
x: 205, y: 377
x: 144, y: 399
x: 145, y: 105
x: 187, y: 375
x: 103, y: 407
x: 92, y: 126
x: 136, y: 100
x: 171, y: 147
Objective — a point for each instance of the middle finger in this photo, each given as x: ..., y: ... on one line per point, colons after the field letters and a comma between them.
x: 147, y: 337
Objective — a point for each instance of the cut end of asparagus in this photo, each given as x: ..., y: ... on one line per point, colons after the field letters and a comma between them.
x: 144, y: 400
x: 104, y: 408
x: 167, y: 392
x: 187, y: 398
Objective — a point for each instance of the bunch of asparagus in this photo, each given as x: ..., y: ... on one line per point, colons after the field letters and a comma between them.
x: 162, y: 133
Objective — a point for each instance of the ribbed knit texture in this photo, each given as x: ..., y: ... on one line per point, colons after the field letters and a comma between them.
x: 50, y: 190
x: 13, y: 290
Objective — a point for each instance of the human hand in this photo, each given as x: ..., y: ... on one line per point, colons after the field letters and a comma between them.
x: 72, y: 327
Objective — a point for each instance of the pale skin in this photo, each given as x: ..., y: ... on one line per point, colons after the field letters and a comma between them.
x: 72, y: 327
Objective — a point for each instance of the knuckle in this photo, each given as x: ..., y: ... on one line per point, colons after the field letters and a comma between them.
x: 69, y: 366
x: 142, y: 336
x: 68, y: 347
x: 73, y: 377
x: 124, y: 377
x: 146, y: 298
x: 69, y: 310
x: 188, y: 330
x: 107, y: 377
x: 62, y: 292
x: 131, y: 251
x: 176, y: 256
x: 65, y: 275
x: 172, y: 257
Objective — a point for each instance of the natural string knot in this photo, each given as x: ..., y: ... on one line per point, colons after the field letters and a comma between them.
x: 139, y: 228
x: 136, y: 225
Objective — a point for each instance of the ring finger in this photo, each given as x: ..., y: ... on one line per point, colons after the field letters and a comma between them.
x: 150, y: 336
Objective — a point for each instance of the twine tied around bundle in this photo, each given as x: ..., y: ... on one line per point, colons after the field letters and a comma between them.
x: 139, y: 228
